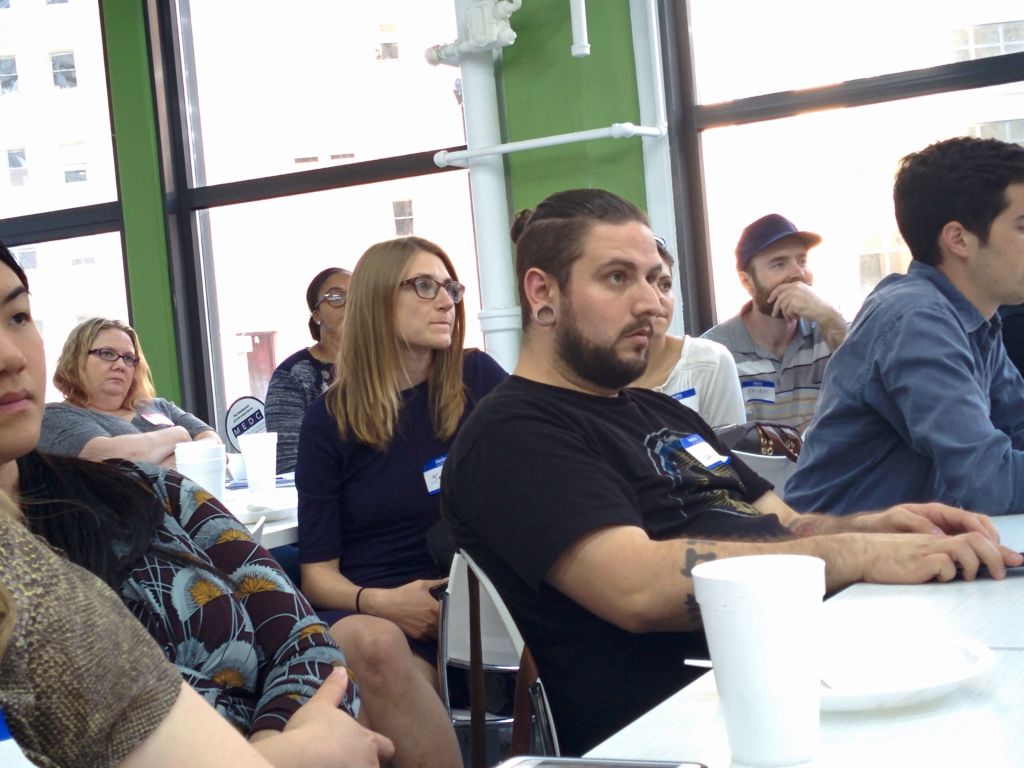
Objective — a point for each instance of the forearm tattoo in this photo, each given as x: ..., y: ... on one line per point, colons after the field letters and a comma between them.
x: 693, y: 557
x: 692, y: 609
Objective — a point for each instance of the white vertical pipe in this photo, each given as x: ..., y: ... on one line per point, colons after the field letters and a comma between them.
x: 580, y: 39
x: 657, y: 166
x: 499, y: 318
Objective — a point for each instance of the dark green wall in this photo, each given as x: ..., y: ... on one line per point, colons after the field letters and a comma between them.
x: 547, y: 91
x: 135, y: 148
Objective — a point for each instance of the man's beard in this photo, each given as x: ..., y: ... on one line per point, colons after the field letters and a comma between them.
x: 598, y: 365
x: 761, y: 303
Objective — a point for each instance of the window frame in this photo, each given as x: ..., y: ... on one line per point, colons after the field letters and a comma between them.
x: 687, y: 119
x: 196, y: 314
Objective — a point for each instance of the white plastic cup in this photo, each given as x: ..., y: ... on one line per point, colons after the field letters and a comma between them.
x: 763, y: 620
x: 236, y: 466
x: 203, y: 464
x: 259, y: 452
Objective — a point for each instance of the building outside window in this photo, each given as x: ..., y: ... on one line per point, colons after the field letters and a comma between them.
x: 989, y: 40
x: 17, y: 169
x: 387, y: 52
x: 387, y: 46
x: 828, y: 161
x: 64, y: 73
x: 8, y: 75
x: 28, y: 124
x: 403, y: 217
x: 329, y: 115
x: 26, y: 257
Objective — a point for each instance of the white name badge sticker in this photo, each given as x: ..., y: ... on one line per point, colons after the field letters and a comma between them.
x: 157, y: 419
x: 702, y: 452
x: 687, y: 397
x: 432, y: 474
x: 758, y: 391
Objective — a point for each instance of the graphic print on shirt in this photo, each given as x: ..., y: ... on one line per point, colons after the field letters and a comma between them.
x: 690, y: 477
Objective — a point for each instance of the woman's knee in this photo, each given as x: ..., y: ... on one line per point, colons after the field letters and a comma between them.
x: 373, y: 646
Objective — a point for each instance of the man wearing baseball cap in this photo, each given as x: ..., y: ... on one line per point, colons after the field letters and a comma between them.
x: 782, y: 338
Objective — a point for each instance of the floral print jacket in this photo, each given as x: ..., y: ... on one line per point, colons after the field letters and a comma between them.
x: 237, y: 629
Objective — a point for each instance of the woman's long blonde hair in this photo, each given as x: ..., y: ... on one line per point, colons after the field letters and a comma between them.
x: 365, y: 398
x: 69, y: 377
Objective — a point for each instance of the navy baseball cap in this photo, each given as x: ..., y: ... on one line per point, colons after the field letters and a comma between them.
x: 765, y: 231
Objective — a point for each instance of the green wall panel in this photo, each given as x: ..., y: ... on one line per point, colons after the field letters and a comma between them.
x: 547, y: 91
x: 138, y: 165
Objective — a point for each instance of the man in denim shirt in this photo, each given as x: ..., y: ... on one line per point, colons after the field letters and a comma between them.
x: 921, y: 402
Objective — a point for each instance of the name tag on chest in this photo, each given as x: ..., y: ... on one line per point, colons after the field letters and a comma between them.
x: 432, y: 474
x: 696, y: 446
x: 758, y: 391
x: 687, y: 397
x: 158, y: 419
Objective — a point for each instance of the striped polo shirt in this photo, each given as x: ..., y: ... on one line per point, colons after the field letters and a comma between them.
x: 781, y: 391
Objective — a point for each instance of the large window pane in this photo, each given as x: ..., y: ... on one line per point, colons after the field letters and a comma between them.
x: 264, y: 255
x: 322, y: 84
x: 832, y: 173
x: 70, y: 281
x: 53, y: 94
x: 747, y: 47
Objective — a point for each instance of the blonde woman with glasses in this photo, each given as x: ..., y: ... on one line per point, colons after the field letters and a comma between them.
x: 111, y: 410
x: 368, y: 475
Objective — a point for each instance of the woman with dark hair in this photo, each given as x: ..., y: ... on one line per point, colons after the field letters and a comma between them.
x: 370, y: 456
x: 215, y: 601
x: 699, y: 373
x: 111, y: 409
x: 130, y: 706
x: 302, y: 377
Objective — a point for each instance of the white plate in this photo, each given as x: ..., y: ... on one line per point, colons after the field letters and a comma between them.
x: 899, y: 676
x: 249, y: 507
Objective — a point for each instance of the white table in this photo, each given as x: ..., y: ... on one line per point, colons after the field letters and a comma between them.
x: 980, y: 723
x: 277, y: 532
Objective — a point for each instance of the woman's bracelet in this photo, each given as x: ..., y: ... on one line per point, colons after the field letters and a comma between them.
x: 359, y: 593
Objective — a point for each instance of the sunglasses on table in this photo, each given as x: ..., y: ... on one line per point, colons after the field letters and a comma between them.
x: 334, y: 298
x: 427, y: 287
x: 112, y: 356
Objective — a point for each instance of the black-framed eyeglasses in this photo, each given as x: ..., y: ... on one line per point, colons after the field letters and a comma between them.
x: 112, y: 356
x: 334, y: 298
x: 427, y: 287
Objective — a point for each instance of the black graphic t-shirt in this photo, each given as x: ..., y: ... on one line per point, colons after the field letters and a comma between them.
x: 537, y: 467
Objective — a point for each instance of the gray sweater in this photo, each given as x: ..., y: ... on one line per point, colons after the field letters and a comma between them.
x: 67, y: 428
x: 297, y: 382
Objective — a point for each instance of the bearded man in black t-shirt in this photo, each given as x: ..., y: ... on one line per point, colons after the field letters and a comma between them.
x: 588, y: 504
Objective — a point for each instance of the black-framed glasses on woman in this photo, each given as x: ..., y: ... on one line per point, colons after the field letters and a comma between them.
x: 335, y: 298
x: 112, y: 356
x: 427, y: 287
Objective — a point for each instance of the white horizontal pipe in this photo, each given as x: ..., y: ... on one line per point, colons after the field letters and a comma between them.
x: 614, y: 131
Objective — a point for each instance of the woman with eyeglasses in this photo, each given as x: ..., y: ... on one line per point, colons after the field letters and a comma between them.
x: 302, y: 377
x: 699, y: 373
x: 110, y: 409
x: 368, y: 476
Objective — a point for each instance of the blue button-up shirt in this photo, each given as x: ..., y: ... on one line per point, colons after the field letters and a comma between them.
x: 920, y: 403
